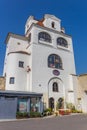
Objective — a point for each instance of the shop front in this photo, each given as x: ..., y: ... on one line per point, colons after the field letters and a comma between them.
x: 12, y: 102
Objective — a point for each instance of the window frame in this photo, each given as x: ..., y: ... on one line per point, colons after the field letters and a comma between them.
x: 55, y: 88
x: 21, y: 64
x: 62, y: 42
x: 12, y: 80
x: 29, y: 38
x: 45, y: 37
x: 54, y: 61
x: 53, y: 24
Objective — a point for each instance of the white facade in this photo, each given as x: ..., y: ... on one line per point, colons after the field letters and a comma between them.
x: 39, y: 72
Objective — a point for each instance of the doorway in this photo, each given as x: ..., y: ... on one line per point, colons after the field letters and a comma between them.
x: 51, y: 103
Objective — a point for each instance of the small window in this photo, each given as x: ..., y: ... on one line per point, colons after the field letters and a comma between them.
x: 12, y: 80
x: 29, y: 37
x: 53, y: 25
x: 5, y: 75
x: 55, y: 87
x: 21, y: 64
x: 18, y: 43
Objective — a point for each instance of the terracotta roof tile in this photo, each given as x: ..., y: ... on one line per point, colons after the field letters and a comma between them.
x: 40, y: 22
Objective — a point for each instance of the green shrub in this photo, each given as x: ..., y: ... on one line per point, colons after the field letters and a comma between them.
x: 79, y: 111
x: 22, y: 115
x: 56, y: 113
x: 47, y: 112
x: 70, y: 106
x: 35, y: 114
x: 76, y: 111
x: 25, y: 114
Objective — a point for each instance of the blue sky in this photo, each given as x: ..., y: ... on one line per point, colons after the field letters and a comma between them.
x: 73, y: 13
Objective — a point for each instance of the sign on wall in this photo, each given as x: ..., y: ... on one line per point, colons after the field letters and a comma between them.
x: 56, y: 72
x: 22, y: 106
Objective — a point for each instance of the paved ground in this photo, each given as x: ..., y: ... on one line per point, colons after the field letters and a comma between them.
x: 75, y: 122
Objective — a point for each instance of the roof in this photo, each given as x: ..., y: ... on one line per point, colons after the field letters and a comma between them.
x: 85, y: 74
x: 20, y: 93
x: 46, y: 16
x: 48, y: 29
x: 21, y: 52
x: 2, y: 77
x: 15, y: 36
x: 40, y: 22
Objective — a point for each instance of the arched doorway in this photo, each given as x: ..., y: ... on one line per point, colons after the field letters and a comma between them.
x: 60, y: 103
x: 51, y: 103
x: 55, y: 91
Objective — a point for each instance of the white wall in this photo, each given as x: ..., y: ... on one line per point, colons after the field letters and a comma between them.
x: 20, y: 74
x: 13, y: 46
x: 37, y: 80
x: 41, y: 74
x: 84, y: 103
x: 48, y: 23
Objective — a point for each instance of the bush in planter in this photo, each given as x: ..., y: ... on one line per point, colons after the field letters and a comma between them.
x: 76, y: 111
x: 19, y: 115
x: 60, y: 103
x: 22, y: 115
x: 56, y: 113
x: 70, y: 106
x: 64, y: 111
x: 25, y: 114
x: 34, y: 114
x: 47, y: 112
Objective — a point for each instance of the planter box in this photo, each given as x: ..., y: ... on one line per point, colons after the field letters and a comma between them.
x: 64, y: 111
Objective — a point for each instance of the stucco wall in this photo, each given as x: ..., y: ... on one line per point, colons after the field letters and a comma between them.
x: 19, y: 74
x: 82, y: 92
x: 82, y: 85
x: 2, y: 83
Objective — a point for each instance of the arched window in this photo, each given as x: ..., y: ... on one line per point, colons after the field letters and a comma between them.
x: 55, y: 87
x: 62, y: 42
x: 44, y: 36
x: 54, y: 61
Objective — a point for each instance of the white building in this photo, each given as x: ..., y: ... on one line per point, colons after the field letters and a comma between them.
x: 42, y: 61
